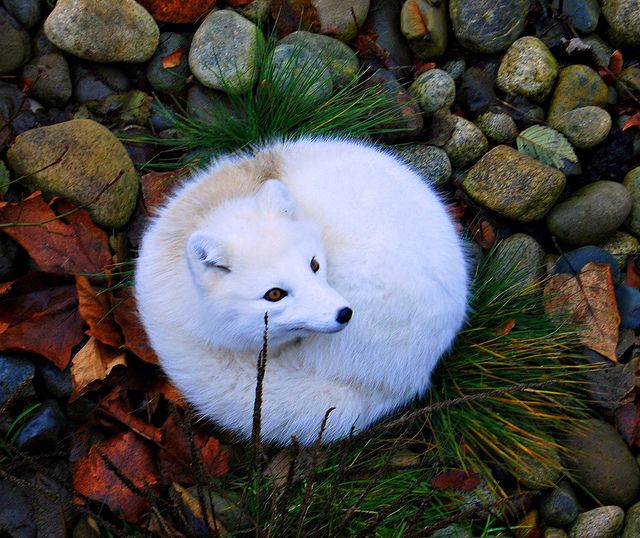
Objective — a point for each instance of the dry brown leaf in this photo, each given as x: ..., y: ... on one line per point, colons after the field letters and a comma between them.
x: 92, y: 363
x: 587, y: 300
x: 156, y: 186
x: 135, y: 338
x: 114, y: 405
x: 95, y: 309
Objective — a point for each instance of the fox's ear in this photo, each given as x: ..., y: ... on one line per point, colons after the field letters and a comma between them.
x: 205, y: 251
x: 274, y: 195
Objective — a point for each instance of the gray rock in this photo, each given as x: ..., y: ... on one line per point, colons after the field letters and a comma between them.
x: 624, y: 18
x: 337, y: 17
x: 499, y: 128
x: 430, y: 162
x: 42, y: 429
x: 585, y: 126
x: 16, y: 512
x: 224, y: 52
x: 298, y: 67
x: 16, y: 378
x: 599, y: 47
x: 632, y: 183
x: 528, y: 68
x: 95, y: 82
x: 603, y: 522
x: 620, y: 245
x: 169, y: 79
x: 590, y: 214
x: 26, y: 12
x: 455, y: 68
x: 103, y: 31
x: 93, y: 160
x: 384, y: 19
x: 51, y: 79
x: 600, y: 460
x: 476, y: 91
x: 628, y: 300
x: 257, y: 11
x: 434, y: 89
x: 207, y: 105
x: 584, y: 14
x: 523, y: 252
x: 424, y: 24
x: 537, y: 474
x: 577, y: 86
x: 488, y: 25
x: 343, y: 63
x: 632, y: 522
x: 513, y: 184
x: 14, y: 44
x: 466, y: 143
x: 559, y: 507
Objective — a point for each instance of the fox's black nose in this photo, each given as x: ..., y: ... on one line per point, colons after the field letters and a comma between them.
x: 344, y: 315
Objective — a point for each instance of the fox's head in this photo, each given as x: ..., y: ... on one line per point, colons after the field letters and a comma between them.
x: 255, y: 255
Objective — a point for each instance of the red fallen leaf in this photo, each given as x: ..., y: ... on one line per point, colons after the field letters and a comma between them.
x: 93, y: 362
x: 633, y: 121
x: 483, y: 233
x: 507, y: 327
x: 177, y: 11
x: 175, y: 459
x: 135, y: 338
x: 114, y: 405
x: 292, y: 15
x: 628, y: 422
x: 173, y: 59
x: 5, y: 287
x: 423, y: 67
x: 156, y: 186
x: 456, y: 480
x: 587, y: 300
x: 95, y: 309
x: 238, y: 3
x: 616, y: 61
x: 169, y: 391
x: 72, y: 245
x: 133, y: 457
x: 633, y: 271
x: 41, y: 316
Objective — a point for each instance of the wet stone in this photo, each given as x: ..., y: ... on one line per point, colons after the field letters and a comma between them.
x: 42, y: 429
x: 628, y: 300
x: 16, y: 378
x: 552, y: 532
x: 624, y: 18
x: 384, y: 19
x: 455, y: 68
x: 577, y: 86
x: 431, y: 162
x: 95, y: 82
x: 434, y: 89
x: 424, y: 24
x: 499, y: 128
x: 603, y: 522
x: 26, y: 12
x: 466, y: 143
x: 632, y: 522
x: 559, y: 507
x: 14, y: 44
x: 584, y: 14
x: 628, y: 82
x: 170, y: 79
x: 585, y: 126
x: 572, y: 262
x: 620, y: 245
x: 51, y: 79
x: 524, y: 253
x: 477, y: 91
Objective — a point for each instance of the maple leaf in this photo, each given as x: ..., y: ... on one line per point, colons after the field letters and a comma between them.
x: 93, y: 362
x: 135, y: 338
x: 173, y: 59
x: 72, y: 245
x: 40, y: 315
x: 588, y: 301
x: 95, y: 309
x: 94, y: 478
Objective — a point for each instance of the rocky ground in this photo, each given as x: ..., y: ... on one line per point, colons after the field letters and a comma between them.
x: 472, y: 79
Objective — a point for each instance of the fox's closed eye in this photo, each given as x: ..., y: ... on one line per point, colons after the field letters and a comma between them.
x: 314, y: 265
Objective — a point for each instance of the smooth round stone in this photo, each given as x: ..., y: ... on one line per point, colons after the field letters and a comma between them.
x: 573, y: 261
x: 499, y: 128
x: 599, y: 47
x: 466, y: 143
x: 528, y: 68
x: 584, y: 14
x: 559, y: 507
x: 632, y: 183
x: 52, y: 80
x: 26, y: 12
x: 205, y: 104
x: 601, y: 461
x: 632, y: 522
x: 224, y: 52
x: 103, y: 31
x: 434, y: 89
x: 384, y: 20
x: 94, y: 158
x: 42, y: 429
x: 628, y: 300
x: 431, y: 162
x: 624, y: 18
x: 620, y: 245
x: 488, y: 25
x: 524, y: 254
x: 603, y: 522
x: 14, y: 44
x: 578, y: 86
x: 585, y: 127
x: 552, y: 532
x: 628, y: 82
x: 455, y: 68
x: 311, y: 75
x: 336, y: 17
x: 513, y: 184
x: 534, y: 473
x: 98, y: 82
x: 590, y: 214
x: 169, y: 79
x: 476, y: 91
x: 257, y: 11
x: 424, y: 24
x: 15, y: 371
x: 341, y: 60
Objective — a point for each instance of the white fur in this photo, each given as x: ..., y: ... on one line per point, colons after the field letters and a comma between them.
x: 386, y: 249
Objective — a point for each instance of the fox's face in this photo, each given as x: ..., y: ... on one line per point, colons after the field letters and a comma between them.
x: 255, y: 257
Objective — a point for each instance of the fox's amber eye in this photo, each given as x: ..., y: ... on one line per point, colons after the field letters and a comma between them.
x: 314, y: 265
x: 275, y: 294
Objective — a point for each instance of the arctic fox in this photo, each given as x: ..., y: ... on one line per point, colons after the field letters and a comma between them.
x: 350, y: 254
